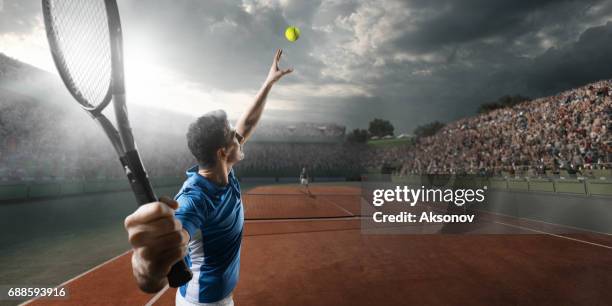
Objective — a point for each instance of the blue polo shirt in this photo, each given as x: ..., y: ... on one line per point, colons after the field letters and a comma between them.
x: 214, y: 219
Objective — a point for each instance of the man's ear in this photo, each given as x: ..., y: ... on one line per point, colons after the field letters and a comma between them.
x: 221, y: 154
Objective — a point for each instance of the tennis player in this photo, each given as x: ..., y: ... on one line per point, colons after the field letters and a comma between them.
x: 206, y: 227
x: 304, y: 179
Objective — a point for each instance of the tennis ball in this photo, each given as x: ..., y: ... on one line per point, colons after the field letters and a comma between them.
x: 292, y: 34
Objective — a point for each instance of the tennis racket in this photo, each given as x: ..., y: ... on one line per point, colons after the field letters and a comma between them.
x: 87, y: 47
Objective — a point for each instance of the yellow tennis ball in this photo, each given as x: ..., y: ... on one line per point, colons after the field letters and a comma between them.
x: 292, y: 34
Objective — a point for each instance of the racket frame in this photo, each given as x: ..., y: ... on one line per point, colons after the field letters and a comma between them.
x: 121, y: 137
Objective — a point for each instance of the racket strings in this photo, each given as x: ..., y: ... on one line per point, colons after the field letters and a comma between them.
x: 82, y: 33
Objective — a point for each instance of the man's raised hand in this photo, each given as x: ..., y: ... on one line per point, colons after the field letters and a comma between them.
x: 275, y: 73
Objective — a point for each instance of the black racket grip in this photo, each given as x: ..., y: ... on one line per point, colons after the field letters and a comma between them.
x: 138, y: 178
x: 179, y: 274
x: 141, y: 186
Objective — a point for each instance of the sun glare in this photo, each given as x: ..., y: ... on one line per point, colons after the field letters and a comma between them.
x: 152, y: 83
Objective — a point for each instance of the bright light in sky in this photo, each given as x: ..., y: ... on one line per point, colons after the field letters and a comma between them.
x: 152, y: 84
x: 149, y: 81
x: 31, y: 48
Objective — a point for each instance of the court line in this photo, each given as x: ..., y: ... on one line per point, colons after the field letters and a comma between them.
x: 302, y: 218
x: 157, y: 296
x: 81, y: 275
x: 555, y: 235
x: 358, y: 217
x: 351, y: 217
x: 547, y: 233
x: 304, y: 232
x: 301, y: 193
x: 338, y: 206
x: 549, y: 223
x: 298, y: 219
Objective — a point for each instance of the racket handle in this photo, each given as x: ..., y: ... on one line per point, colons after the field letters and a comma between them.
x: 141, y: 186
x: 138, y: 178
x: 179, y: 274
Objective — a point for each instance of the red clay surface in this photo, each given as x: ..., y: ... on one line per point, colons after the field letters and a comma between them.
x: 301, y: 190
x: 290, y: 207
x: 330, y: 262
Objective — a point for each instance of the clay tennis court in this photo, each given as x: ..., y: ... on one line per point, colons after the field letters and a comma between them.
x: 301, y: 249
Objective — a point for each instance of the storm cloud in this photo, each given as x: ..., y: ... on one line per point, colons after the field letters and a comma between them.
x: 408, y: 61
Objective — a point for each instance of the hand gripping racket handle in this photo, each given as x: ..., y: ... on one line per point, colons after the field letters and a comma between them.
x: 141, y: 186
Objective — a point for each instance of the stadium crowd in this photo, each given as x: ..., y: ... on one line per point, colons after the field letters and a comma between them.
x: 569, y: 131
x: 286, y: 159
x: 299, y: 131
x: 277, y: 129
x: 39, y: 142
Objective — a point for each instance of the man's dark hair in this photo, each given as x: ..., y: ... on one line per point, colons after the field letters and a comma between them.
x: 206, y: 135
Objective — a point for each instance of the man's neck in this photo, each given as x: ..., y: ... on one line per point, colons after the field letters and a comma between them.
x: 217, y: 174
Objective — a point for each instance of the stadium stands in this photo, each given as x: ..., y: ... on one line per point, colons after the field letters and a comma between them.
x: 292, y: 132
x: 38, y: 143
x: 565, y: 136
x: 286, y: 159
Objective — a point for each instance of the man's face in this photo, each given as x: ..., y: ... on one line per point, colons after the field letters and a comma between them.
x: 234, y: 147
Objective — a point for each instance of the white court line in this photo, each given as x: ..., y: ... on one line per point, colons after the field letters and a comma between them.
x: 340, y: 207
x: 540, y: 221
x: 160, y: 293
x: 502, y: 223
x: 313, y: 219
x: 157, y: 296
x: 80, y: 275
x: 555, y: 235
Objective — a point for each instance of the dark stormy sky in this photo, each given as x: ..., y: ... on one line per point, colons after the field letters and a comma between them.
x: 407, y: 61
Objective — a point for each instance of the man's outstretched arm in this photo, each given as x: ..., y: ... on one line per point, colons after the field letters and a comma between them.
x: 247, y: 122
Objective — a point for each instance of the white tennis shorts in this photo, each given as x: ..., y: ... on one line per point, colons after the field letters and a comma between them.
x: 304, y: 181
x: 181, y: 301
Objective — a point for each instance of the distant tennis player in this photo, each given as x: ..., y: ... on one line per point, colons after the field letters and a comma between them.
x: 304, y: 179
x: 209, y: 216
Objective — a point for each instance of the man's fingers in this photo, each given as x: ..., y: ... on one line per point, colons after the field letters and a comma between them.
x: 171, y: 241
x: 170, y: 202
x: 149, y: 212
x: 170, y: 257
x: 287, y: 71
x: 277, y: 57
x: 147, y: 234
x: 158, y: 262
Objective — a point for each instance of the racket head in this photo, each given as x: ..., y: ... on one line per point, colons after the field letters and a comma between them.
x: 85, y: 41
